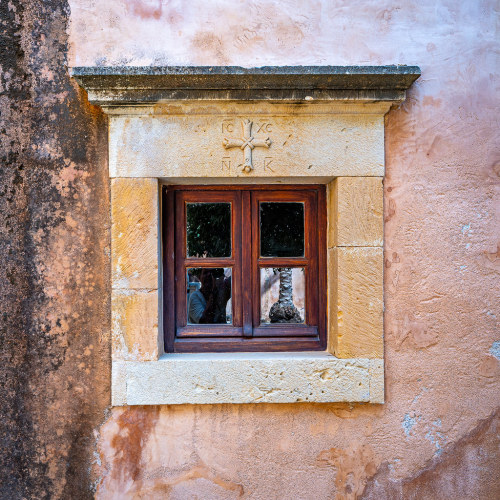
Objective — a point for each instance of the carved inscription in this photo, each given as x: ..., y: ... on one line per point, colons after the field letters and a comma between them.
x: 226, y: 163
x: 264, y: 127
x: 227, y: 127
x: 247, y: 142
x: 267, y: 164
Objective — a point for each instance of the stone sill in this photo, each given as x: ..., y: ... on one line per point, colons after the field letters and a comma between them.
x: 248, y: 378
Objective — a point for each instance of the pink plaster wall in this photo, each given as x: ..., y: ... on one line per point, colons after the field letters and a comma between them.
x: 437, y: 434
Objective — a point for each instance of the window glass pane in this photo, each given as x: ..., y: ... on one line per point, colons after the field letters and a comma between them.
x: 209, y: 296
x: 282, y: 295
x: 281, y: 229
x: 208, y: 228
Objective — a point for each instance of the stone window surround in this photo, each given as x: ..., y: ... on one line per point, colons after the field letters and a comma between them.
x: 144, y: 105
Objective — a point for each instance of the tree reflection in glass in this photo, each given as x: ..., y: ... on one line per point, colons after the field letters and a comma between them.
x: 281, y: 235
x: 282, y: 292
x: 208, y: 229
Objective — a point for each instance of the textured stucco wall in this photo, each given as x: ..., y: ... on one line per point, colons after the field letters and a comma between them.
x: 437, y: 434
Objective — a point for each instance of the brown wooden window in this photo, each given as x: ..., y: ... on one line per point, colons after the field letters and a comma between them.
x: 244, y: 268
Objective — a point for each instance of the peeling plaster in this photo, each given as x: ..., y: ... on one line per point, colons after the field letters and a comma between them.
x: 408, y: 423
x: 495, y: 349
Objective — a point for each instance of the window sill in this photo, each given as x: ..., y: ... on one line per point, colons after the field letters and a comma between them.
x: 248, y: 378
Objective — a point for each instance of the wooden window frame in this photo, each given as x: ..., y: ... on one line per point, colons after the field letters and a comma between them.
x: 245, y: 334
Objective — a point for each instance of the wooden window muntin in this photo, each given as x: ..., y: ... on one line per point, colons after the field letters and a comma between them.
x: 246, y: 333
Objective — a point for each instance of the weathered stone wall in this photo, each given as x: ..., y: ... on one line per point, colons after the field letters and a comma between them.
x: 54, y: 270
x: 437, y: 434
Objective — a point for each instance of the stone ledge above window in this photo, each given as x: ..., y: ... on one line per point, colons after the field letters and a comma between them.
x: 108, y: 86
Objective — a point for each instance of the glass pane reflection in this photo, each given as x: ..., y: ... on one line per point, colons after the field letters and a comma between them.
x: 282, y: 295
x: 208, y: 228
x: 281, y: 229
x: 209, y: 296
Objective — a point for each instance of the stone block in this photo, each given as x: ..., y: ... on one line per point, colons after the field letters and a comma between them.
x: 135, y: 332
x: 134, y: 233
x: 119, y: 383
x: 355, y: 212
x: 305, y: 141
x: 358, y: 322
x: 248, y: 378
x: 377, y: 381
x: 332, y: 303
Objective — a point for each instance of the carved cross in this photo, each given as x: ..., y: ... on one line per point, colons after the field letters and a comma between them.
x: 246, y: 143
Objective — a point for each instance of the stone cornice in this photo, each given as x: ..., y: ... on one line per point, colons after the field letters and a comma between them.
x: 115, y: 86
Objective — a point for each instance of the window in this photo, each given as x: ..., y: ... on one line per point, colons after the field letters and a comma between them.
x: 244, y: 268
x: 325, y: 125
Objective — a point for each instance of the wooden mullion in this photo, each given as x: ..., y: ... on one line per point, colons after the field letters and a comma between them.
x: 209, y: 262
x: 254, y: 344
x: 282, y: 262
x: 247, y: 266
x: 168, y: 233
x: 321, y: 267
x: 236, y: 252
x: 255, y: 231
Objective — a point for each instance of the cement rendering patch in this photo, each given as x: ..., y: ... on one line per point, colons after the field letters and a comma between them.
x: 248, y: 378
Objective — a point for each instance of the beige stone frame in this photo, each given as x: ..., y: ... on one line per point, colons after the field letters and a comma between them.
x: 351, y: 370
x: 315, y: 124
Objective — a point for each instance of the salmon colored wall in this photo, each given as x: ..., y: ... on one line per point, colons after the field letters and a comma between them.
x: 441, y: 262
x: 437, y: 434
